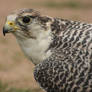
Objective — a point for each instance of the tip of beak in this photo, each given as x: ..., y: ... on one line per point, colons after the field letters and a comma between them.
x: 5, y: 31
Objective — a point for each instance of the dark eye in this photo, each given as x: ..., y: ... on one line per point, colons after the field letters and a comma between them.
x: 26, y: 19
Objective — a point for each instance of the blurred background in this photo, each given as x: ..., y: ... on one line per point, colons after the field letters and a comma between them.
x: 16, y: 71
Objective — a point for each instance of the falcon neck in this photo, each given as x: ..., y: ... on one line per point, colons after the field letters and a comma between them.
x: 35, y: 50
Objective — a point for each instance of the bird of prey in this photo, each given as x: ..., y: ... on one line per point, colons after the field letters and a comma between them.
x: 60, y: 49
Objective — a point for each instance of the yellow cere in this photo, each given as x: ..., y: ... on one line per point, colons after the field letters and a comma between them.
x: 12, y: 24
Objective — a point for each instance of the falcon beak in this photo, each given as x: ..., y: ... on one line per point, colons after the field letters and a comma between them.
x: 9, y: 27
x: 5, y: 31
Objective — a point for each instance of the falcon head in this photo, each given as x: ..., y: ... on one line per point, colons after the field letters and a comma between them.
x: 26, y: 23
x: 32, y: 31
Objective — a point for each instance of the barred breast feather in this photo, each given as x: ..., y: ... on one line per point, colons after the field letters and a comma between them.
x: 69, y: 68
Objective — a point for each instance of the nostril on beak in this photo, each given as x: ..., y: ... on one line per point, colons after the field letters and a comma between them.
x: 5, y: 31
x: 10, y: 23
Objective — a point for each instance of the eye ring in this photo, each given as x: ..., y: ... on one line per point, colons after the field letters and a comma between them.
x: 26, y: 19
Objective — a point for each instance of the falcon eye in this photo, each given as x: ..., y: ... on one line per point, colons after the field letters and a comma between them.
x: 26, y: 19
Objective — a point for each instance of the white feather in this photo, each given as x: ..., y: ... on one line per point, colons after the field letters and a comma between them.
x: 35, y: 49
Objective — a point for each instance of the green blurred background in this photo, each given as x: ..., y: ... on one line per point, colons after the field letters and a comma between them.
x: 16, y: 72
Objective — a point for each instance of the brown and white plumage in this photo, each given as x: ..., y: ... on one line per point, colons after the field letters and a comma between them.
x: 60, y: 49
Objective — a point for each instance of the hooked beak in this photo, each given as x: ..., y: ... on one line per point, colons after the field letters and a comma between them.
x: 5, y: 31
x: 9, y: 27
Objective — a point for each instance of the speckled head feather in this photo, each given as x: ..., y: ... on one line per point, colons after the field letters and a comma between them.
x: 25, y: 10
